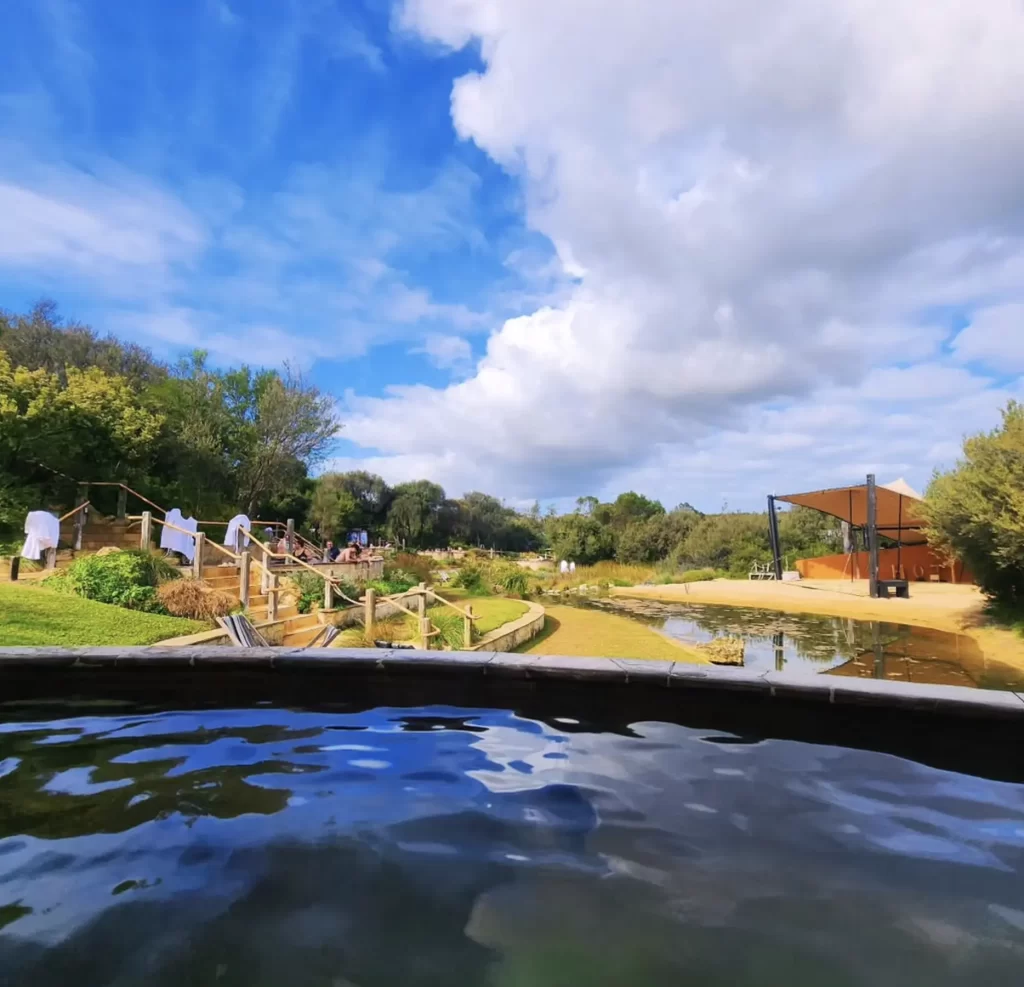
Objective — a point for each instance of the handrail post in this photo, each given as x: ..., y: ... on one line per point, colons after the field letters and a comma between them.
x: 425, y: 633
x: 82, y: 498
x: 51, y: 558
x: 264, y: 580
x: 243, y: 578
x: 146, y: 531
x: 467, y: 628
x: 197, y: 559
x: 122, y: 502
x: 272, y: 598
x: 421, y: 600
x: 328, y: 595
x: 370, y: 614
x: 289, y: 536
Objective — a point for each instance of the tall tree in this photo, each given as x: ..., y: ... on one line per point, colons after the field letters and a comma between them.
x: 975, y: 512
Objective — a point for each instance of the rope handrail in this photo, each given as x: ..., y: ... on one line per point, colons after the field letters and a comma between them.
x: 305, y: 565
x: 80, y: 507
x: 448, y: 603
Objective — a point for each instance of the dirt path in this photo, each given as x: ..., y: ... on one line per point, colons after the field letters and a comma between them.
x: 943, y: 606
x: 589, y: 633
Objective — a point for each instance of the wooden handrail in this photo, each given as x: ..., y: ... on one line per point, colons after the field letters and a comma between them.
x: 134, y: 493
x: 80, y: 507
x: 305, y: 565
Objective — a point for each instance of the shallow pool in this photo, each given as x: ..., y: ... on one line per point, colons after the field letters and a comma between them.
x: 803, y: 642
x: 462, y: 846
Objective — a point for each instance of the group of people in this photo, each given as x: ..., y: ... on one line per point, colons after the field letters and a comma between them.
x: 351, y: 553
x: 565, y: 567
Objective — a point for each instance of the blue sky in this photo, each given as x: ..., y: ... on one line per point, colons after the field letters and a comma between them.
x: 543, y: 248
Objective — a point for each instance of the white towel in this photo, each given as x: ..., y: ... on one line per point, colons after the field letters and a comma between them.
x: 169, y: 538
x: 238, y: 521
x: 188, y: 545
x: 42, y: 531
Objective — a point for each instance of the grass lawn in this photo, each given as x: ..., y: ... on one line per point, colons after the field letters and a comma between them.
x: 573, y: 631
x: 33, y: 615
x: 493, y: 611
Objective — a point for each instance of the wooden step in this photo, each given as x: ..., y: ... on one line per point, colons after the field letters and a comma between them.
x: 299, y: 639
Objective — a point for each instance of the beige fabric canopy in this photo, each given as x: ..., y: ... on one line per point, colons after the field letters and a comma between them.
x: 895, y: 508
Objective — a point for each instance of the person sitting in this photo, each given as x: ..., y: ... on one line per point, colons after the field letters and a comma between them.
x: 350, y: 554
x: 331, y: 552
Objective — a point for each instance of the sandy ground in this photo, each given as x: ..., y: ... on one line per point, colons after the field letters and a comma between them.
x: 943, y: 606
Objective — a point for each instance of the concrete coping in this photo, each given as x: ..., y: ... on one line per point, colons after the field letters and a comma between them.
x: 624, y: 672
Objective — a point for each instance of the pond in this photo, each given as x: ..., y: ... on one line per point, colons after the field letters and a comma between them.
x: 440, y: 845
x: 801, y: 642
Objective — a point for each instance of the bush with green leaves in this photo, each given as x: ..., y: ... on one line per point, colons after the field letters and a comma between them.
x: 310, y: 588
x: 975, y: 512
x: 469, y: 578
x: 125, y: 579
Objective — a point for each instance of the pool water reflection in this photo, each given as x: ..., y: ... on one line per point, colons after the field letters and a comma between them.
x: 802, y: 642
x: 442, y: 845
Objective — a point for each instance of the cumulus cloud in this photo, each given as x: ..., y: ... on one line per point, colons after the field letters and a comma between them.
x: 761, y: 206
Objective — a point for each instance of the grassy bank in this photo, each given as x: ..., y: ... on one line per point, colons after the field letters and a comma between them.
x: 33, y: 615
x: 491, y: 611
x: 590, y: 633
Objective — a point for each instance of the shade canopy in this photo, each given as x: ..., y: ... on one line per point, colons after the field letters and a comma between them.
x: 896, y: 508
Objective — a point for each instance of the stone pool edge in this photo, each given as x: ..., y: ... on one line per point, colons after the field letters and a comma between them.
x: 979, y: 703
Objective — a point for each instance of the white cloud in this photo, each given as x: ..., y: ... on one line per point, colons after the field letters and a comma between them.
x: 104, y: 224
x: 446, y: 352
x: 995, y: 339
x: 759, y: 202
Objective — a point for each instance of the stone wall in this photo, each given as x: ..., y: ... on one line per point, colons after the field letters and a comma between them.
x: 515, y: 632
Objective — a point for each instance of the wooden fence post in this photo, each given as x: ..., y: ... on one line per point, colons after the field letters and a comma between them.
x: 197, y: 559
x: 264, y: 580
x: 370, y: 613
x: 289, y: 536
x: 272, y: 598
x: 122, y: 503
x: 421, y: 600
x: 51, y: 558
x: 83, y: 496
x: 328, y: 595
x: 243, y: 578
x: 425, y: 633
x: 15, y: 567
x: 467, y: 628
x: 146, y: 531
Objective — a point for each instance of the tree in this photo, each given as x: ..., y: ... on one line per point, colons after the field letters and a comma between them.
x: 282, y: 424
x: 657, y: 537
x: 726, y: 541
x: 580, y: 538
x: 370, y: 495
x: 333, y: 507
x: 975, y: 512
x: 42, y: 340
x: 414, y: 513
x: 93, y: 423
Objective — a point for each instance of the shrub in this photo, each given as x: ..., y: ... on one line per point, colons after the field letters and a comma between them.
x: 470, y: 578
x: 389, y: 587
x: 310, y: 589
x: 976, y: 512
x: 195, y: 600
x: 125, y: 579
x: 410, y: 565
x: 450, y: 626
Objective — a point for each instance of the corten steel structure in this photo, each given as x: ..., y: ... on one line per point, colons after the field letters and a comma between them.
x: 889, y: 509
